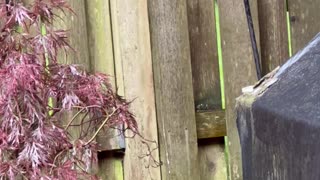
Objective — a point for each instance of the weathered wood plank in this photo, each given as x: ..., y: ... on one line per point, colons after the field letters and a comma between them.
x: 206, y: 86
x: 136, y: 65
x: 211, y: 124
x: 101, y: 58
x: 212, y: 162
x: 204, y: 57
x: 304, y: 15
x: 273, y: 34
x: 100, y: 37
x: 239, y: 69
x: 173, y: 88
x: 116, y: 47
x: 110, y: 166
x: 255, y: 20
x: 76, y: 25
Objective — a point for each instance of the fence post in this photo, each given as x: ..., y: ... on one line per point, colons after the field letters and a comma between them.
x: 239, y: 69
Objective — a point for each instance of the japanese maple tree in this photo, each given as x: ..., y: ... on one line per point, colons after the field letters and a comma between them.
x: 36, y: 92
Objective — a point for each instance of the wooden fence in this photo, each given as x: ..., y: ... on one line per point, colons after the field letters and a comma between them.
x: 166, y: 55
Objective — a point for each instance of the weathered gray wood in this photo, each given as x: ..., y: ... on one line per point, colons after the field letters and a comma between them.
x: 212, y: 162
x: 100, y: 37
x: 239, y: 69
x: 273, y: 33
x: 211, y: 124
x: 110, y: 166
x: 173, y: 89
x: 206, y: 85
x: 255, y: 20
x: 116, y: 47
x: 77, y: 38
x: 304, y: 15
x: 204, y: 57
x: 76, y: 25
x: 101, y: 58
x: 105, y: 57
x: 131, y: 18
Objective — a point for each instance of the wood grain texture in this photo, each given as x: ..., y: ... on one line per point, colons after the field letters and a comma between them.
x: 102, y: 59
x: 304, y: 15
x: 76, y: 25
x: 116, y: 47
x: 136, y: 64
x: 110, y: 166
x: 100, y: 37
x: 204, y: 57
x: 255, y: 20
x: 212, y: 162
x: 273, y: 34
x: 211, y: 124
x: 206, y: 85
x: 173, y: 88
x: 239, y: 69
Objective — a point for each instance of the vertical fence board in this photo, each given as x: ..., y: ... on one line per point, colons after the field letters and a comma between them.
x: 239, y: 70
x: 304, y: 15
x: 206, y: 84
x: 102, y: 60
x: 77, y: 36
x: 76, y: 25
x: 204, y: 57
x: 173, y: 88
x: 116, y: 47
x: 273, y: 33
x: 100, y: 37
x: 255, y: 20
x: 136, y: 63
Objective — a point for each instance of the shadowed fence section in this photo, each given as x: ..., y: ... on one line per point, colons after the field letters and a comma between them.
x: 164, y: 55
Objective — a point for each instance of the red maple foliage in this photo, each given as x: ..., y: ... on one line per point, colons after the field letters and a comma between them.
x: 34, y: 139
